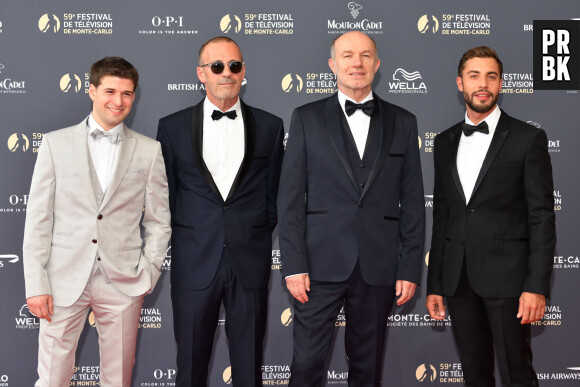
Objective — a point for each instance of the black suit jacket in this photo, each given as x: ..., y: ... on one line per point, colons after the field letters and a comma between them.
x: 204, y: 225
x: 506, y: 232
x: 326, y: 224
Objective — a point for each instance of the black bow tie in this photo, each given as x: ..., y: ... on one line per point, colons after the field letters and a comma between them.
x: 367, y: 107
x: 469, y: 129
x: 216, y: 115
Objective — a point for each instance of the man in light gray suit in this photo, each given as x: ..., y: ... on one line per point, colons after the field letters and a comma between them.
x: 97, y: 229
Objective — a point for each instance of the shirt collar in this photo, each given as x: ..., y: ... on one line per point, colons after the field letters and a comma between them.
x: 92, y: 125
x: 209, y: 107
x: 492, y: 119
x: 342, y: 98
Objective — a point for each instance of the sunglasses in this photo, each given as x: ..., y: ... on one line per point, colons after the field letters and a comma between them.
x: 218, y: 67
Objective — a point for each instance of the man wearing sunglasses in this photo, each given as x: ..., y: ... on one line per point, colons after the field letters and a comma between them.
x: 357, y: 239
x: 223, y: 162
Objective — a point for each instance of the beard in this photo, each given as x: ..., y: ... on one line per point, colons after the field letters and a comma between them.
x: 483, y: 107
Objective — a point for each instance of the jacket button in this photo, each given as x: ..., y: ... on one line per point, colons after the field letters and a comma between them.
x: 100, y: 217
x: 226, y: 207
x: 468, y: 210
x: 360, y: 204
x: 98, y: 258
x: 94, y: 241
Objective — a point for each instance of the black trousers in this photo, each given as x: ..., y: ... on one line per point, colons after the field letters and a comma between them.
x: 195, y: 318
x: 367, y: 309
x: 482, y: 324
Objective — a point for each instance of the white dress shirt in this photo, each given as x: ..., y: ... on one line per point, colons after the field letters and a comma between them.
x: 103, y: 153
x: 472, y: 150
x: 359, y: 122
x: 223, y: 146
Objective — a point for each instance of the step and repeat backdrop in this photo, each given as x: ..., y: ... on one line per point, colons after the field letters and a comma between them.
x: 47, y: 47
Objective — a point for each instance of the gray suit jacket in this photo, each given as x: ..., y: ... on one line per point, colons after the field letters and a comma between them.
x: 65, y: 226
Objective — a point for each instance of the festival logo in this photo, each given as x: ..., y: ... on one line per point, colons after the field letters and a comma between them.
x: 70, y: 82
x: 230, y: 23
x: 275, y: 374
x: 286, y: 317
x: 227, y: 375
x: 428, y: 24
x: 426, y: 373
x: 49, y: 22
x: 76, y: 23
x: 276, y: 260
x: 18, y: 142
x: 292, y: 82
x: 517, y: 83
x: 454, y: 24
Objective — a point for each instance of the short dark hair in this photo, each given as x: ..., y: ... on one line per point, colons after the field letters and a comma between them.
x: 341, y: 35
x: 219, y: 39
x: 114, y: 66
x: 479, y: 52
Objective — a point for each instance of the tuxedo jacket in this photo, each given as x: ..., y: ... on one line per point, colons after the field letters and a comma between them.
x: 326, y: 223
x: 506, y: 231
x: 65, y: 225
x: 205, y: 226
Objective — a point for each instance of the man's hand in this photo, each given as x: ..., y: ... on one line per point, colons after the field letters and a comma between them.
x: 435, y: 307
x: 298, y: 285
x: 41, y: 306
x: 405, y: 291
x: 532, y: 306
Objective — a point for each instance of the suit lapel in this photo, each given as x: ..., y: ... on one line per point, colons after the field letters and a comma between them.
x: 385, y: 119
x: 332, y: 112
x: 197, y: 143
x: 249, y: 144
x: 81, y: 157
x: 126, y: 150
x: 501, y: 132
x: 455, y: 136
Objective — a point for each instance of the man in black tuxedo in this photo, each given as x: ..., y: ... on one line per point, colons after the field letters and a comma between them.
x: 223, y: 162
x: 493, y: 229
x: 352, y: 216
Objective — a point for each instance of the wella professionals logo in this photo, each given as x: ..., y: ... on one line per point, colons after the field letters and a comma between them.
x: 405, y: 82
